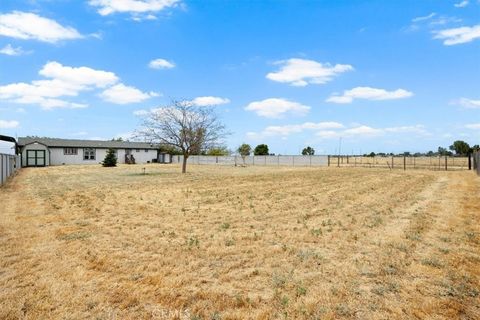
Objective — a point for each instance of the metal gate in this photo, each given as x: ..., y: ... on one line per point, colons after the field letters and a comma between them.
x: 36, y: 158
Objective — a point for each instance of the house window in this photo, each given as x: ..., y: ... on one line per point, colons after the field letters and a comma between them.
x: 89, y: 154
x: 138, y: 150
x: 70, y: 151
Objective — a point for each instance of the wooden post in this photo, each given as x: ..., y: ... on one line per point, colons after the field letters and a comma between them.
x: 265, y: 160
x: 216, y: 159
x: 404, y: 163
x: 338, y: 161
x: 392, y: 162
x: 446, y: 163
x: 328, y: 161
x: 310, y: 160
x: 469, y: 161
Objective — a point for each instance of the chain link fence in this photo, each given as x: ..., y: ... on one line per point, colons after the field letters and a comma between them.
x: 443, y: 163
x: 440, y: 163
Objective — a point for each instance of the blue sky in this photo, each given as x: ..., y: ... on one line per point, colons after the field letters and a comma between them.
x: 387, y: 76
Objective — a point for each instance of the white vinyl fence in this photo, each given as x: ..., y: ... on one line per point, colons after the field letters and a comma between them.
x: 296, y: 161
x: 8, y: 165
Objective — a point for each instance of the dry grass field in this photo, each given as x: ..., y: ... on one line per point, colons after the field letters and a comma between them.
x: 85, y: 242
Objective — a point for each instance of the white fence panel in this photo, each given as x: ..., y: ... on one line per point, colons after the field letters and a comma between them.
x: 8, y: 165
x: 296, y: 161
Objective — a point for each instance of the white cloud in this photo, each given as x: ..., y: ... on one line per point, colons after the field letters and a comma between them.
x: 335, y: 130
x: 469, y: 103
x: 209, y: 101
x: 81, y: 76
x: 460, y: 35
x: 473, y: 126
x: 122, y: 94
x: 362, y: 131
x: 276, y: 108
x: 65, y: 81
x: 11, y: 51
x: 140, y: 112
x: 423, y: 18
x: 24, y: 25
x: 161, y: 64
x: 298, y: 128
x: 368, y: 93
x: 461, y: 4
x: 6, y: 124
x: 301, y: 72
x: 107, y: 7
x: 419, y: 129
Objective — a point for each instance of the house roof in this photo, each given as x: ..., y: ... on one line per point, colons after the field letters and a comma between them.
x: 76, y: 143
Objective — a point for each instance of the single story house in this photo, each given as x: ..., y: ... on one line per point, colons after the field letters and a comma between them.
x: 40, y: 152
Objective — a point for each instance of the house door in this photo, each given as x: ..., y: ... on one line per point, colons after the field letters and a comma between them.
x: 36, y: 158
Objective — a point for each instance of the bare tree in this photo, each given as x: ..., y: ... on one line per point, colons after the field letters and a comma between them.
x: 183, y: 125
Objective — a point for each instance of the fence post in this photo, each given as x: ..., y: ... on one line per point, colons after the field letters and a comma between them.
x: 265, y: 160
x: 328, y: 161
x: 310, y: 160
x: 446, y: 163
x: 216, y: 159
x: 404, y: 163
x: 469, y: 161
x: 338, y: 161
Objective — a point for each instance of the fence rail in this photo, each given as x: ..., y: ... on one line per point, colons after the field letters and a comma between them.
x: 404, y: 162
x: 296, y: 161
x: 9, y: 164
x: 389, y: 162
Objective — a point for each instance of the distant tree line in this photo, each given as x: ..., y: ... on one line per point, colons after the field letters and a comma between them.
x: 458, y: 148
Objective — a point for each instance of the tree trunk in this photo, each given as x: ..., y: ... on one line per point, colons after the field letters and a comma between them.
x: 184, y: 164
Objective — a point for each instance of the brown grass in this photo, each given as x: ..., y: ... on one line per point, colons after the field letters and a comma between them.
x: 82, y: 242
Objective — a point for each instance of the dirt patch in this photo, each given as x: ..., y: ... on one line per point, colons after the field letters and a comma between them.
x: 239, y: 243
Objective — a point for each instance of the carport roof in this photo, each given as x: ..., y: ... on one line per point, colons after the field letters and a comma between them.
x: 76, y: 143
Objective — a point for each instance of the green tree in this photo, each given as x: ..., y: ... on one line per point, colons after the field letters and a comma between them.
x: 261, y: 150
x: 308, y: 151
x: 460, y: 147
x: 244, y: 150
x: 444, y: 152
x: 218, y: 151
x: 110, y: 159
